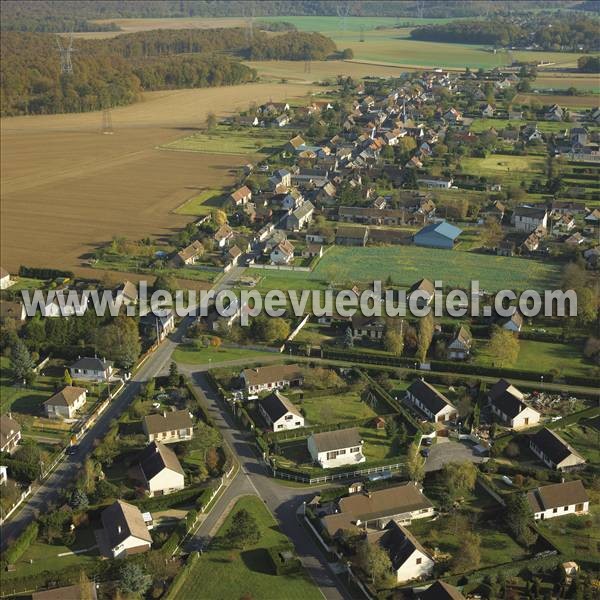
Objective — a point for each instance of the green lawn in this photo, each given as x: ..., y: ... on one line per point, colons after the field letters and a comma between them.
x: 407, y: 264
x: 585, y: 438
x: 479, y: 125
x: 20, y: 399
x: 233, y: 140
x: 496, y: 546
x: 577, y: 537
x: 542, y: 356
x: 202, y: 204
x: 507, y: 169
x: 44, y: 557
x: 335, y: 409
x: 226, y: 574
x: 190, y: 354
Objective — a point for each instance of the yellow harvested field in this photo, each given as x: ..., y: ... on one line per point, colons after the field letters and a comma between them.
x: 66, y: 187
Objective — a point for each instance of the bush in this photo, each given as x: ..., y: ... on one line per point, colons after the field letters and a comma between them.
x: 282, y: 566
x: 21, y: 544
x: 169, y: 501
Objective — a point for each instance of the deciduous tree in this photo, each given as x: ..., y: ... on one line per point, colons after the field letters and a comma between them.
x: 503, y: 347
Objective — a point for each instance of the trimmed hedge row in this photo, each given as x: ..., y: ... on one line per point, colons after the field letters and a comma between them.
x: 199, y: 402
x: 181, y: 576
x: 168, y: 501
x: 12, y: 554
x: 43, y: 273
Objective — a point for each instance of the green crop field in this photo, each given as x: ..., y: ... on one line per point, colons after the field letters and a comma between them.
x: 479, y: 125
x: 225, y: 573
x: 232, y: 140
x: 202, y: 204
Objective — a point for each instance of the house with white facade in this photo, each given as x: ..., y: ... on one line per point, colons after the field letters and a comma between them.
x: 125, y: 530
x: 436, y: 407
x: 559, y: 499
x: 529, y: 218
x: 91, y: 369
x: 375, y: 509
x: 367, y: 327
x: 507, y: 403
x: 514, y: 323
x: 459, y: 347
x: 271, y: 377
x: 282, y: 253
x: 65, y: 403
x: 409, y: 558
x: 173, y: 426
x: 10, y: 434
x: 279, y: 413
x: 336, y: 448
x: 126, y: 293
x: 241, y: 195
x: 555, y: 452
x: 161, y: 469
x: 5, y: 280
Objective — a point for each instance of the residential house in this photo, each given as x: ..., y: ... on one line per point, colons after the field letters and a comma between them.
x: 532, y: 133
x: 593, y: 217
x: 554, y: 452
x: 508, y: 404
x: 3, y: 474
x: 127, y: 293
x: 223, y: 235
x: 281, y: 178
x: 296, y: 144
x: 459, y: 347
x: 375, y: 509
x: 436, y: 183
x: 5, y: 280
x: 529, y: 218
x: 173, y: 426
x: 279, y: 413
x: 351, y: 236
x: 380, y: 203
x: 559, y: 499
x: 487, y: 111
x: 242, y: 195
x: 422, y: 293
x: 14, y: 311
x: 281, y: 121
x: 161, y: 469
x: 10, y: 434
x: 190, y: 254
x: 554, y: 113
x: 515, y: 115
x: 514, y: 323
x: 437, y: 408
x: 414, y: 163
x: 63, y: 303
x: 440, y: 590
x: 326, y: 194
x: 575, y: 240
x: 272, y: 377
x: 312, y: 251
x: 301, y: 217
x: 292, y: 200
x: 409, y: 558
x: 91, y: 368
x: 336, y: 448
x: 283, y: 253
x: 69, y: 592
x: 437, y: 235
x: 367, y: 327
x: 125, y: 530
x: 453, y: 116
x: 66, y: 403
x: 494, y: 211
x: 158, y: 325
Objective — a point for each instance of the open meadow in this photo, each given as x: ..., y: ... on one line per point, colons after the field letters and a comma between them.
x: 66, y: 188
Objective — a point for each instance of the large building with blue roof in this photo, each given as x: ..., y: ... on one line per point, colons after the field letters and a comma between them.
x: 437, y: 235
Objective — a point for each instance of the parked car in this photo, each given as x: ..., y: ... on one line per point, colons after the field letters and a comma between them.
x: 425, y: 452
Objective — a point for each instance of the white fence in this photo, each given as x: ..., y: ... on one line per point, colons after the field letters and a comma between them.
x: 281, y: 268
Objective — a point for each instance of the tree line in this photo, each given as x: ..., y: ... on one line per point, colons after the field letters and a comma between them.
x: 589, y: 64
x: 553, y: 33
x: 114, y: 72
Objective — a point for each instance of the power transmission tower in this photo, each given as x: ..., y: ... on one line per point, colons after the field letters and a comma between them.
x: 362, y: 33
x: 66, y: 66
x: 107, y: 126
x: 420, y: 8
x: 250, y: 24
x: 343, y: 10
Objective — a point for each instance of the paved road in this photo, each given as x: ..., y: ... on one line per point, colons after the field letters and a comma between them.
x: 252, y: 478
x: 49, y: 492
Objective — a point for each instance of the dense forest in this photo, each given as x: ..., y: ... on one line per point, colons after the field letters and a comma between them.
x: 568, y: 33
x: 113, y: 72
x: 75, y: 15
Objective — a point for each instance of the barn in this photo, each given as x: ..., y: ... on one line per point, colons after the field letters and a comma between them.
x: 437, y: 235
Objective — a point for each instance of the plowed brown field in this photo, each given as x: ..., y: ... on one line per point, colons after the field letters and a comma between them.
x: 66, y: 188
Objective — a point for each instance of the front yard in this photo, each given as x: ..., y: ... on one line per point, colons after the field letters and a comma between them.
x: 334, y: 408
x: 223, y: 573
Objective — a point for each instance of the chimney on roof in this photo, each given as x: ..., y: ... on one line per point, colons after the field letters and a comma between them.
x: 119, y: 529
x: 165, y: 414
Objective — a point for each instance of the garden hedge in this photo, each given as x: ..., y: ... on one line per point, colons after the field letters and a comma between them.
x: 21, y: 544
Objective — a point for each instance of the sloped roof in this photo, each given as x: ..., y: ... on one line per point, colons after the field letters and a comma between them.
x: 423, y: 285
x: 169, y: 421
x: 66, y: 397
x: 553, y: 446
x: 440, y: 590
x: 271, y: 373
x: 335, y: 440
x: 444, y: 229
x: 156, y: 457
x: 435, y: 401
x: 120, y: 520
x: 91, y: 364
x: 276, y: 405
x: 398, y: 542
x: 8, y: 427
x: 557, y: 495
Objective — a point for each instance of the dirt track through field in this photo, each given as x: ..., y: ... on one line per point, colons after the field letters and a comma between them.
x: 66, y: 187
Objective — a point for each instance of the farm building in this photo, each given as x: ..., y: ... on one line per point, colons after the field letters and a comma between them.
x: 437, y: 235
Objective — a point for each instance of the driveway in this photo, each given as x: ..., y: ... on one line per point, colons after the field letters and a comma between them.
x: 446, y: 451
